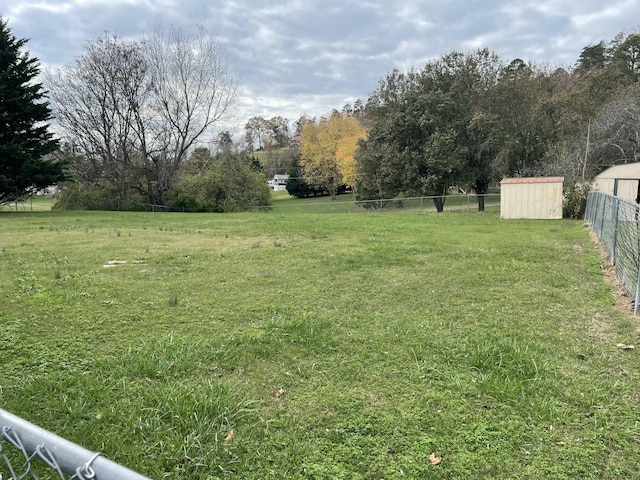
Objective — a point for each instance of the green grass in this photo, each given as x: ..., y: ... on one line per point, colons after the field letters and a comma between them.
x: 345, y: 203
x: 301, y: 343
x: 37, y: 203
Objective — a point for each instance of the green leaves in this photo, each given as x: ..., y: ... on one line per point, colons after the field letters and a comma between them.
x: 419, y: 143
x: 24, y: 141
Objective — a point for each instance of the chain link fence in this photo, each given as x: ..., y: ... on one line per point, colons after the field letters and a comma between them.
x: 347, y: 204
x: 30, y: 452
x: 616, y: 221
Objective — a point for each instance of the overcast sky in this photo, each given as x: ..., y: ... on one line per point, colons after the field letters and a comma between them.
x: 297, y: 57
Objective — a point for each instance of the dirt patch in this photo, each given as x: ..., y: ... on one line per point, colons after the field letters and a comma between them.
x: 116, y: 263
x: 600, y: 328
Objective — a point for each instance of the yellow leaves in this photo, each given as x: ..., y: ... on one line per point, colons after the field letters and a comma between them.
x: 328, y: 148
x: 279, y: 393
x: 346, y: 149
x: 623, y: 346
x: 434, y: 459
x: 229, y: 436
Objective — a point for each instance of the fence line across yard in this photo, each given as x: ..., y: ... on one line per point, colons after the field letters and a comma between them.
x: 343, y: 203
x: 616, y: 222
x: 468, y: 202
x: 22, y: 443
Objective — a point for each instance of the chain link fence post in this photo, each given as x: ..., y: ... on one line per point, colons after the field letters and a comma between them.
x: 614, y: 241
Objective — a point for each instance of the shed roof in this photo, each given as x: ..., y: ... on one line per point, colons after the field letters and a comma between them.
x: 533, y: 180
x: 626, y: 170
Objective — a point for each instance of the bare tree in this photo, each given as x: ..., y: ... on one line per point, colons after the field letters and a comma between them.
x: 616, y: 131
x: 193, y: 90
x: 98, y: 103
x: 258, y: 133
x: 136, y: 109
x: 280, y: 131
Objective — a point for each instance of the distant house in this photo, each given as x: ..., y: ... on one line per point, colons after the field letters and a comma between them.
x: 278, y: 182
x: 49, y: 191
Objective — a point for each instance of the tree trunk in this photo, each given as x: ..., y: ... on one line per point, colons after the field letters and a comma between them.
x: 481, y: 188
x: 332, y: 188
x: 439, y: 203
x: 480, y: 202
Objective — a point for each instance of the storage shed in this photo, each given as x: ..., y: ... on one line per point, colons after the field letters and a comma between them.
x: 535, y: 198
x: 621, y: 180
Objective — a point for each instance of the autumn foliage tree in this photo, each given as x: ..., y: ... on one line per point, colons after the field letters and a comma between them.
x: 327, y: 151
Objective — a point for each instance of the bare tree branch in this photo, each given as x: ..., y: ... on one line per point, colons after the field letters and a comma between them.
x: 136, y: 109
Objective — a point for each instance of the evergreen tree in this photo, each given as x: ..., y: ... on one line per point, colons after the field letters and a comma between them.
x: 24, y: 137
x: 296, y: 185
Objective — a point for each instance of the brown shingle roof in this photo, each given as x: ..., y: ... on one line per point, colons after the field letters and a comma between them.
x: 533, y: 180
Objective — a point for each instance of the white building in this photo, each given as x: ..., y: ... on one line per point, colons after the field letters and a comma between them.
x: 278, y: 182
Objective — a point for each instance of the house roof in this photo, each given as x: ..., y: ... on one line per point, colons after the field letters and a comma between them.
x: 626, y: 170
x: 533, y: 180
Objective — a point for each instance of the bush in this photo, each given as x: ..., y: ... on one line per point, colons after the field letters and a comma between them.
x: 77, y: 196
x: 228, y: 184
x: 575, y: 199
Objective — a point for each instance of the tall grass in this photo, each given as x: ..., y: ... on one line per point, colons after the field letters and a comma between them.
x: 319, y: 345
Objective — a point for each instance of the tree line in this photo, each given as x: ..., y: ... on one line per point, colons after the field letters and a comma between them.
x: 468, y: 120
x: 134, y: 116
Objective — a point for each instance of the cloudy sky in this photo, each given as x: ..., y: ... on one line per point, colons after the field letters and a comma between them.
x: 297, y: 57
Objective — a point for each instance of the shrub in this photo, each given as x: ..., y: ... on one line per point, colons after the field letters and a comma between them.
x: 575, y: 199
x: 228, y: 184
x: 77, y: 196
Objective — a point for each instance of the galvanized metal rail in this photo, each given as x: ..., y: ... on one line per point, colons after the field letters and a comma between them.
x: 67, y: 459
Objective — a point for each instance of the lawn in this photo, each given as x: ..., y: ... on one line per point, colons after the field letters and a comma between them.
x: 308, y: 344
x: 35, y: 203
x: 346, y: 203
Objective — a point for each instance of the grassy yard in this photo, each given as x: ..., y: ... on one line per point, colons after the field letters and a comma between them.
x: 345, y: 203
x: 299, y: 344
x: 36, y: 203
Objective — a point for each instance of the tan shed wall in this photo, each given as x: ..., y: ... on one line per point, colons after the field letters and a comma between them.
x: 627, y: 189
x: 628, y: 175
x: 531, y: 200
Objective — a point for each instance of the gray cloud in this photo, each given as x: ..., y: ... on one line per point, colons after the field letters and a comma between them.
x: 309, y: 56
